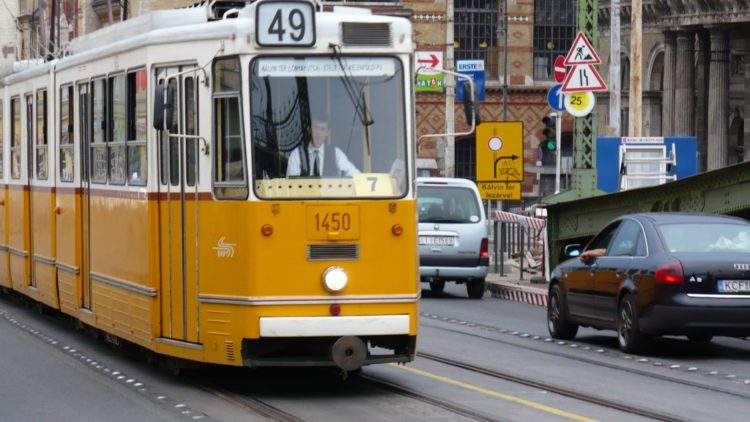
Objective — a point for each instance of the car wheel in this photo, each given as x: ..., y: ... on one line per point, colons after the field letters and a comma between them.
x: 475, y: 288
x: 700, y: 338
x: 557, y: 320
x: 437, y: 286
x: 628, y: 332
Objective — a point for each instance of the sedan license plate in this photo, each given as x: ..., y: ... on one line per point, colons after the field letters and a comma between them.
x: 437, y: 240
x: 734, y: 286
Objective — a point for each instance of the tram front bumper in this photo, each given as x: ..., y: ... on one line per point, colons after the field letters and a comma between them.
x: 330, y: 341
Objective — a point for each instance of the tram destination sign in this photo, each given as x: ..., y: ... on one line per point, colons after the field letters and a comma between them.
x: 285, y: 23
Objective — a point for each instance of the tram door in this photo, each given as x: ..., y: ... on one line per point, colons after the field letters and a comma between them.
x: 179, y: 208
x: 84, y: 133
x: 30, y: 150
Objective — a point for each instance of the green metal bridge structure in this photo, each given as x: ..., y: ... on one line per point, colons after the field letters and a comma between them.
x: 576, y: 215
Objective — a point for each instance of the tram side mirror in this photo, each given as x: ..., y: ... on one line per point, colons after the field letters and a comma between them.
x: 471, y: 107
x: 163, y: 106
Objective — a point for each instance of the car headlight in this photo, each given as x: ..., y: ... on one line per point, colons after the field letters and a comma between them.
x: 335, y: 279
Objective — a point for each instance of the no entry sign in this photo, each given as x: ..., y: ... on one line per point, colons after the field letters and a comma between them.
x: 560, y: 69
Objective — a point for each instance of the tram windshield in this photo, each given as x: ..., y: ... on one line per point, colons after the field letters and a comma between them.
x: 328, y: 127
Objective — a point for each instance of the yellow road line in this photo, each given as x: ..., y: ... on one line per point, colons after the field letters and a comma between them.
x: 508, y: 397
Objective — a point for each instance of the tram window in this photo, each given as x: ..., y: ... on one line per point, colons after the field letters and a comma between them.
x: 162, y: 146
x: 117, y: 129
x: 174, y: 141
x: 191, y: 128
x: 99, y: 126
x: 15, y: 138
x: 364, y: 108
x: 230, y: 181
x: 227, y: 75
x: 2, y: 126
x: 29, y: 134
x: 137, y: 127
x: 41, y: 134
x: 66, y: 134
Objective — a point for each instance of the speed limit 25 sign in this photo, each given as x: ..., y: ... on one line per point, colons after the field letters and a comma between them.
x: 285, y: 23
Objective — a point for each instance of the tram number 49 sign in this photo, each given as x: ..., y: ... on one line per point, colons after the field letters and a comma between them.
x: 285, y: 23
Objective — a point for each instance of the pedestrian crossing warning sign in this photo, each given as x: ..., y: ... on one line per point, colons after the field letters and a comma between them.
x: 581, y: 52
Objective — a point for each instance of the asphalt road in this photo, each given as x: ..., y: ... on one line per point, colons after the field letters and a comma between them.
x: 50, y: 372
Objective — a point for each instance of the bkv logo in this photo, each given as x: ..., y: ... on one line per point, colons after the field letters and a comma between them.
x: 224, y: 250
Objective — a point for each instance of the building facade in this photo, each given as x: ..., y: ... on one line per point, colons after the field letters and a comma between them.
x: 695, y: 74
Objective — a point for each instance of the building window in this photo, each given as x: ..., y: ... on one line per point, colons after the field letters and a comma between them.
x: 465, y: 158
x: 475, y: 32
x: 555, y: 28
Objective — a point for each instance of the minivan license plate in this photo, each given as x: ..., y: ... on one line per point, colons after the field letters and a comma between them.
x: 734, y: 286
x: 437, y: 240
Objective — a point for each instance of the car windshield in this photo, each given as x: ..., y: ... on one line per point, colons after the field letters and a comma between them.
x: 447, y: 204
x: 336, y: 122
x: 705, y: 237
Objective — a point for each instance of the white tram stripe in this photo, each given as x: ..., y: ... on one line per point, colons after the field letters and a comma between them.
x: 334, y: 326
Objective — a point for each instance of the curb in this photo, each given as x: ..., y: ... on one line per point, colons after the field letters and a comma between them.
x: 534, y: 296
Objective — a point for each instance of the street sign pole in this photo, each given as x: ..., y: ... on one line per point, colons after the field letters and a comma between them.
x: 558, y: 138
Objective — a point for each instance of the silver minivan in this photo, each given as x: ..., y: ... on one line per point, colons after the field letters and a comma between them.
x: 452, y: 234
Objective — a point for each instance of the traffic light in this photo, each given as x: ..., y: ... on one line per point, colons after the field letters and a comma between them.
x: 549, y: 143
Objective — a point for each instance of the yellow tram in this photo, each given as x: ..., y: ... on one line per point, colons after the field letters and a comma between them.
x: 159, y: 184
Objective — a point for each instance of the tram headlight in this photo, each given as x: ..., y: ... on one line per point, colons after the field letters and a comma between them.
x: 335, y: 279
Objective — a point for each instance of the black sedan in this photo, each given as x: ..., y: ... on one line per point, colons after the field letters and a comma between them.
x: 654, y: 274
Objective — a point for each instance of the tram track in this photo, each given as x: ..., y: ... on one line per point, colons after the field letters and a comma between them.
x: 587, y: 360
x: 430, y: 400
x: 556, y: 389
x: 244, y: 401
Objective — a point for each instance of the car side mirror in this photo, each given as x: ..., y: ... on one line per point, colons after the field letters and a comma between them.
x: 572, y: 250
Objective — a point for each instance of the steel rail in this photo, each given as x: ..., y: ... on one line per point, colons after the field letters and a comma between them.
x: 563, y: 391
x: 596, y: 362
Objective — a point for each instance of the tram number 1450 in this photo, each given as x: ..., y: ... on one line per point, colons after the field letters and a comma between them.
x: 285, y: 23
x: 328, y: 222
x: 333, y: 221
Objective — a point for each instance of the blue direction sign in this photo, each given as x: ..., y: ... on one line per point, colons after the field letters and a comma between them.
x: 475, y: 69
x: 556, y: 98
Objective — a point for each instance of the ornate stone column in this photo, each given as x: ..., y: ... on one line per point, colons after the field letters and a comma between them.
x: 718, y: 100
x: 667, y: 106
x: 702, y: 68
x: 684, y: 121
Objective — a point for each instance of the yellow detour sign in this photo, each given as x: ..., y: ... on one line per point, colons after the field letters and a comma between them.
x: 500, y: 159
x: 500, y: 191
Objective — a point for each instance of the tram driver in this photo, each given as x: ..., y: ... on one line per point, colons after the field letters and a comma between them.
x: 319, y: 157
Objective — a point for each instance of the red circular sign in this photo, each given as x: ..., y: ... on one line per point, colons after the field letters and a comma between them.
x: 560, y: 69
